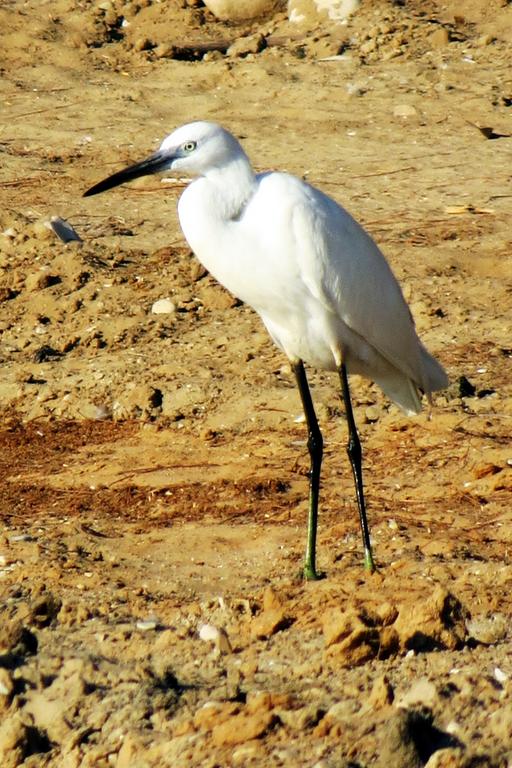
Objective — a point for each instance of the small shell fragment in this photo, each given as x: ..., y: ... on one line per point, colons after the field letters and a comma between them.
x: 500, y: 675
x: 217, y: 635
x: 64, y: 230
x: 146, y: 625
x: 208, y: 633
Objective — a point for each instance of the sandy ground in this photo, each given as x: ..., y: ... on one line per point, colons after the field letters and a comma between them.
x: 154, y: 471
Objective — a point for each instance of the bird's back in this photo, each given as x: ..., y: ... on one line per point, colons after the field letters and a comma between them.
x: 350, y: 281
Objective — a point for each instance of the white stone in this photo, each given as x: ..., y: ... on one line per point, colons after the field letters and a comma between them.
x: 422, y: 692
x: 312, y: 11
x: 163, y: 307
x: 237, y: 10
x: 405, y: 110
x: 209, y: 633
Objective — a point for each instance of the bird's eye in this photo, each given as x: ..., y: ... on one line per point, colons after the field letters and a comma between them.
x: 189, y: 146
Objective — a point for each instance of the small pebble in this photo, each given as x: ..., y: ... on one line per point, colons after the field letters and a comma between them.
x: 208, y: 633
x: 21, y: 537
x: 217, y: 635
x: 371, y: 414
x: 500, y: 676
x: 163, y: 307
x: 484, y: 40
x: 405, y: 111
x: 439, y: 38
x: 147, y: 625
x: 142, y: 44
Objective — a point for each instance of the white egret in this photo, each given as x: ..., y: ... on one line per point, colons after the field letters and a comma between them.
x: 318, y: 281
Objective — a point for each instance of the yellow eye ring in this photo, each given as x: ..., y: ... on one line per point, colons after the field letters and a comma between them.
x: 189, y: 146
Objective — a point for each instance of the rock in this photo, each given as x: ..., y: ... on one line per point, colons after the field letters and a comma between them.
x: 368, y: 47
x: 500, y: 676
x: 301, y: 719
x: 249, y: 44
x: 44, y: 610
x: 439, y: 38
x: 371, y: 414
x: 141, y: 401
x: 37, y: 281
x: 484, y: 40
x: 216, y: 635
x: 197, y: 271
x: 163, y: 307
x: 338, y: 625
x: 259, y: 701
x: 246, y: 753
x: 62, y: 229
x: 42, y: 230
x: 336, y: 719
x: 501, y: 723
x: 422, y: 693
x: 349, y: 639
x: 387, y: 613
x: 54, y: 707
x: 208, y: 633
x: 214, y: 713
x: 310, y: 12
x: 271, y: 599
x: 216, y: 297
x: 400, y: 740
x: 6, y: 683
x: 405, y: 111
x: 389, y: 642
x: 264, y: 701
x: 49, y: 715
x: 488, y: 629
x: 269, y: 622
x: 13, y: 738
x: 126, y: 755
x: 243, y: 727
x: 143, y: 44
x: 16, y: 640
x: 164, y: 51
x: 238, y: 10
x: 448, y: 758
x: 95, y: 411
x: 381, y: 694
x: 6, y: 690
x: 147, y: 625
x: 438, y: 622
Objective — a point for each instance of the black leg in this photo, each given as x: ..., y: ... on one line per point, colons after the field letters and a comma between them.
x: 315, y: 447
x: 355, y: 456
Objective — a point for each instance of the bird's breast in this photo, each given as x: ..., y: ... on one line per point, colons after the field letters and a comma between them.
x: 242, y: 253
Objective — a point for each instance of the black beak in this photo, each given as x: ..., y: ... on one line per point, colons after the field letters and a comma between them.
x: 159, y: 161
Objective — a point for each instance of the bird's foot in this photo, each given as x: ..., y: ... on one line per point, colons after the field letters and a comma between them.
x: 369, y: 564
x: 310, y: 573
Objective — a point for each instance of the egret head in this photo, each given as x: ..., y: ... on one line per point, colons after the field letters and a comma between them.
x: 195, y: 149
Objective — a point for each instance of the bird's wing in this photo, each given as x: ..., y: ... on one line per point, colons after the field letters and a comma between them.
x: 345, y: 270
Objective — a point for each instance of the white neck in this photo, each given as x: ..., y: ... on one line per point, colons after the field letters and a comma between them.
x: 234, y: 185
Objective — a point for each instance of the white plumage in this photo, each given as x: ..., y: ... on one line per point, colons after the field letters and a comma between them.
x: 320, y: 284
x: 318, y: 281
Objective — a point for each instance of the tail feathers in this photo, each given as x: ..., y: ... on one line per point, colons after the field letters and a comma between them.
x: 434, y: 375
x: 401, y: 390
x: 405, y: 392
